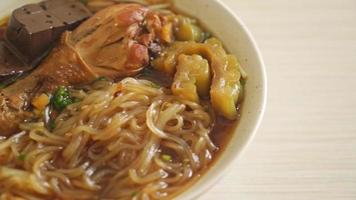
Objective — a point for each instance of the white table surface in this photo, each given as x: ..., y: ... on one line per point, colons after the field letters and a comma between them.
x: 306, y: 147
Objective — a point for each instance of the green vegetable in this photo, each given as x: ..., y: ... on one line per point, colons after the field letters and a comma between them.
x: 167, y: 158
x: 21, y: 157
x: 188, y: 30
x: 62, y: 98
x: 192, y: 78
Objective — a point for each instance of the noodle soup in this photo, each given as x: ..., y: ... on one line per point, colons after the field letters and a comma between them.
x: 134, y: 103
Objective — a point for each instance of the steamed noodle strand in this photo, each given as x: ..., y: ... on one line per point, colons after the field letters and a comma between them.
x: 128, y: 140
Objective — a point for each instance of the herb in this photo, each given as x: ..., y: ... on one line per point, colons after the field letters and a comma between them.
x: 61, y: 98
x: 167, y: 158
x: 21, y: 157
x: 133, y: 194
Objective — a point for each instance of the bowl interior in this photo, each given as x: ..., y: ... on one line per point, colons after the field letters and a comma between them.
x: 218, y: 19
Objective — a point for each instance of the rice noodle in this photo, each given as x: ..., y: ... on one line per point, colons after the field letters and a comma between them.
x: 111, y: 145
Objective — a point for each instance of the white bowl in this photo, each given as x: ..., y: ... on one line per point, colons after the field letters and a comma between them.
x: 229, y: 28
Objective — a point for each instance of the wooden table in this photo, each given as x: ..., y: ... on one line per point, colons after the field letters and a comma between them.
x: 306, y: 147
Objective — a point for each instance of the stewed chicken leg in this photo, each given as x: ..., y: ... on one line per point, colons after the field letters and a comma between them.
x: 113, y: 43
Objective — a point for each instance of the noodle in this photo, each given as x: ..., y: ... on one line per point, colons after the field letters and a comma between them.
x: 127, y: 140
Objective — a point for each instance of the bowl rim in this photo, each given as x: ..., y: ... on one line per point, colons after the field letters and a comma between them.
x: 205, y: 186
